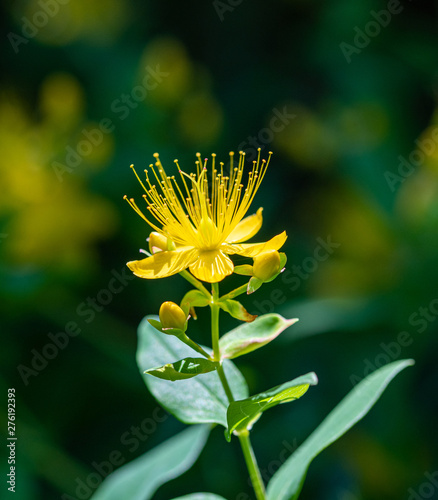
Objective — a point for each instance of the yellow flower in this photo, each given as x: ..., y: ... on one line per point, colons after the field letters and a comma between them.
x: 204, y: 222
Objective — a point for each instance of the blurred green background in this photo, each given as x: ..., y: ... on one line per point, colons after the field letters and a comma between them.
x: 344, y: 93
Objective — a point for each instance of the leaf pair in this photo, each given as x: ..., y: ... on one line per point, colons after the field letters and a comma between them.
x: 242, y: 340
x: 241, y: 415
x: 203, y: 400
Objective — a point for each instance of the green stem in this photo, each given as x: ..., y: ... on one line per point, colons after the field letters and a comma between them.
x: 225, y: 384
x: 215, y: 321
x: 251, y: 463
x: 236, y: 292
x: 245, y: 443
x: 191, y: 343
x: 193, y: 281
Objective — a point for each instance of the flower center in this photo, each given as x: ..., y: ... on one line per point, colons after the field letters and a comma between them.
x: 200, y: 213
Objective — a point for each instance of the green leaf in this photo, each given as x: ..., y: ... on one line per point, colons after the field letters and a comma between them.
x: 180, y: 335
x: 176, y: 332
x: 251, y: 336
x: 245, y: 270
x: 157, y: 324
x: 200, y: 496
x: 236, y: 310
x: 288, y: 481
x: 253, y: 285
x: 196, y: 400
x: 192, y: 299
x: 243, y: 414
x: 183, y: 369
x: 139, y: 479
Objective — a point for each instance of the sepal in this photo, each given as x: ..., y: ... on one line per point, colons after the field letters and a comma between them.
x: 253, y: 285
x: 245, y: 270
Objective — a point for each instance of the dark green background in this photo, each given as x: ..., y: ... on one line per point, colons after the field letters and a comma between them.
x: 64, y: 232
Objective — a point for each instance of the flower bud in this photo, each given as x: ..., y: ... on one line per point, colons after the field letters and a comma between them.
x: 172, y: 316
x: 157, y: 242
x: 266, y: 265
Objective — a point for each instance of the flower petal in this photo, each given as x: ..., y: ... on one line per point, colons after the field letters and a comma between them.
x: 254, y: 249
x: 212, y: 266
x: 163, y: 264
x: 247, y: 228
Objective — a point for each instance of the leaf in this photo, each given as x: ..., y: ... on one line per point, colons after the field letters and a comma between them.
x: 243, y: 414
x: 177, y: 332
x: 156, y: 324
x: 288, y: 481
x: 139, y: 479
x: 236, y: 310
x: 200, y: 496
x: 196, y: 400
x: 183, y: 369
x: 253, y: 285
x: 251, y: 336
x: 192, y: 299
x: 245, y: 270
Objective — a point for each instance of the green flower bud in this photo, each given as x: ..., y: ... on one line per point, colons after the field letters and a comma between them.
x: 172, y: 316
x: 266, y: 265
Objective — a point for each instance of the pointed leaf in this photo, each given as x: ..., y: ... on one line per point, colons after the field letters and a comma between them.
x: 251, y: 336
x: 243, y: 414
x: 196, y: 400
x: 183, y: 369
x: 245, y: 270
x: 236, y: 310
x: 139, y: 479
x: 253, y: 285
x: 192, y: 299
x: 288, y: 481
x: 157, y: 324
x: 176, y: 332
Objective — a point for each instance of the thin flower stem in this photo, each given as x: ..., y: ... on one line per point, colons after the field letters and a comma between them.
x: 215, y: 321
x: 194, y: 346
x: 193, y: 281
x: 225, y: 384
x: 251, y: 463
x: 245, y: 442
x: 235, y: 293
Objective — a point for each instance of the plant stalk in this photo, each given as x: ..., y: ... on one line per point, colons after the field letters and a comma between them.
x: 253, y: 468
x: 193, y: 281
x: 236, y: 292
x: 245, y: 442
